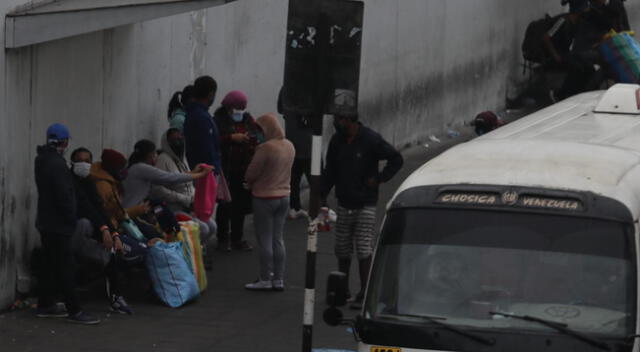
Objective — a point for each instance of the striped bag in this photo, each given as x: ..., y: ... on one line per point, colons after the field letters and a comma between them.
x: 189, y: 235
x: 171, y: 277
x: 622, y: 52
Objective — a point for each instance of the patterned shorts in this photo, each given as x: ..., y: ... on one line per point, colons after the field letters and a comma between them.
x: 355, y: 227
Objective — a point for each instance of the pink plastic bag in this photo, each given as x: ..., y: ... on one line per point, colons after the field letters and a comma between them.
x: 204, y: 202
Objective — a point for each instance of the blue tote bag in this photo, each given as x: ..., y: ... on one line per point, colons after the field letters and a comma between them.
x: 172, y: 279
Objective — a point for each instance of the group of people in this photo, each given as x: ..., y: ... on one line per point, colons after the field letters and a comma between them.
x: 91, y: 209
x: 571, y: 43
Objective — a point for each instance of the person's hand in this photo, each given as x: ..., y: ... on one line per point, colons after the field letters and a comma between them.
x: 372, y: 182
x: 146, y: 206
x: 240, y: 137
x: 118, y: 244
x: 201, y: 171
x: 107, y: 242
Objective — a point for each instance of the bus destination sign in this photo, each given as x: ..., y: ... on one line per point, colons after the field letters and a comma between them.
x: 509, y: 198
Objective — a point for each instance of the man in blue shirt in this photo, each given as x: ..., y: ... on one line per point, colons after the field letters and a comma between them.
x: 200, y: 132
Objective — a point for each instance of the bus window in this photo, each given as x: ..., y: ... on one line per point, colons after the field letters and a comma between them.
x: 462, y: 264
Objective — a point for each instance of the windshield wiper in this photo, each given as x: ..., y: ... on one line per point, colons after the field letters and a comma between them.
x: 560, y: 327
x: 437, y: 320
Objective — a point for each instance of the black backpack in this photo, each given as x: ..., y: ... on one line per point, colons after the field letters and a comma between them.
x: 533, y: 45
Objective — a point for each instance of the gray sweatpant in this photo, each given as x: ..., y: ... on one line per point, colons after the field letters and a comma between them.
x: 269, y: 216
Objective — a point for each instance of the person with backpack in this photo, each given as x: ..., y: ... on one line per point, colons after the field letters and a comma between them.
x: 57, y: 221
x: 177, y: 105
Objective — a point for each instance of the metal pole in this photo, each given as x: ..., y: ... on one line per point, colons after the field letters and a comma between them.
x: 312, y: 240
x: 322, y: 83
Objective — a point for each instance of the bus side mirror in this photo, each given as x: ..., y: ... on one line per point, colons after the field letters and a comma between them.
x: 332, y: 316
x: 337, y: 289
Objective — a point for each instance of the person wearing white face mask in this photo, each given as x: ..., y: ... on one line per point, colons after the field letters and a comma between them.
x: 100, y: 244
x: 239, y: 136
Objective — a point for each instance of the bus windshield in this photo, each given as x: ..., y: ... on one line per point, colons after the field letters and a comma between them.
x: 462, y: 265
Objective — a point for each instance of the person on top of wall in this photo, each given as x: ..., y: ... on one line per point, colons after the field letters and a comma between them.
x: 177, y: 105
x: 352, y: 167
x: 201, y: 135
x: 100, y: 245
x: 238, y: 140
x: 611, y: 14
x: 178, y: 196
x: 571, y: 42
x: 57, y: 221
x: 269, y: 176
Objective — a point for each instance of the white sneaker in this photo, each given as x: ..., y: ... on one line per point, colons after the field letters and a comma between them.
x: 278, y: 285
x: 259, y: 285
x: 294, y: 214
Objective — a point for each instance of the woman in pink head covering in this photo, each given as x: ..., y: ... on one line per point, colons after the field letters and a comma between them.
x: 239, y: 136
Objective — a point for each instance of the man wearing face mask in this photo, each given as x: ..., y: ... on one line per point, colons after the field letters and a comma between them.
x: 352, y: 167
x: 57, y: 221
x: 239, y: 135
x: 98, y: 244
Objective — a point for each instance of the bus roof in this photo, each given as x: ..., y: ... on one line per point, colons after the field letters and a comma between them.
x: 589, y: 142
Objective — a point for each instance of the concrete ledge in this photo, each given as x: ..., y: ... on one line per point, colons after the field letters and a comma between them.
x: 66, y: 18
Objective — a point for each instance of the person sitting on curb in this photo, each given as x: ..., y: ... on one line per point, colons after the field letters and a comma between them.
x: 179, y: 196
x: 102, y: 244
x: 142, y: 174
x: 108, y: 175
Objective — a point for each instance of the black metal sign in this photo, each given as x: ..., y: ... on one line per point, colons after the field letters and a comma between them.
x: 322, y: 63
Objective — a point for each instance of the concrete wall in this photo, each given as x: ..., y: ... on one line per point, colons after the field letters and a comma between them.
x: 426, y: 65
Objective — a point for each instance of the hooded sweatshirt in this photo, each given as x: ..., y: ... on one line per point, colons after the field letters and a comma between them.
x: 269, y: 173
x: 56, y: 193
x: 109, y: 191
x: 179, y: 196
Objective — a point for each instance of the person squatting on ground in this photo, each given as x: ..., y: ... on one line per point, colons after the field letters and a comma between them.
x: 269, y: 176
x: 238, y: 140
x: 177, y: 106
x: 178, y: 196
x: 100, y: 245
x: 57, y: 221
x: 352, y: 167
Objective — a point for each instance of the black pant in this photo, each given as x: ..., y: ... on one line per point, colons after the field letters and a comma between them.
x: 58, y: 272
x: 300, y: 167
x: 230, y: 216
x: 113, y: 272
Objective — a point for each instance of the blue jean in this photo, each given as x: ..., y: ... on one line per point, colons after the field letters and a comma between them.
x: 269, y: 216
